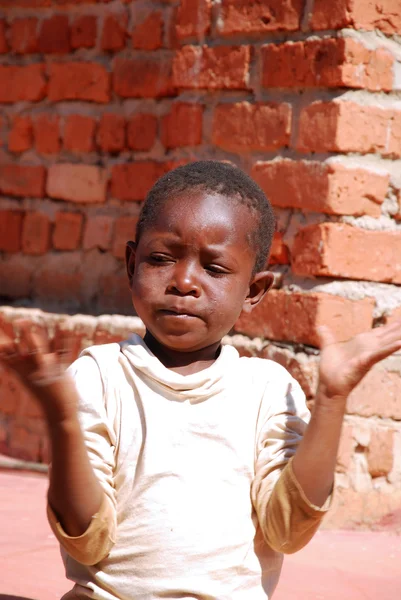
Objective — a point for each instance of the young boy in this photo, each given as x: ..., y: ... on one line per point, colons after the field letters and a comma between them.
x: 179, y: 469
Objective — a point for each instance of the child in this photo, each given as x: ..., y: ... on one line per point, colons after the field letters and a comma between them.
x: 190, y: 470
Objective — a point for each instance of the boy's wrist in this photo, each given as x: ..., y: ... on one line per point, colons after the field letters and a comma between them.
x: 326, y: 402
x: 58, y: 398
x: 62, y: 425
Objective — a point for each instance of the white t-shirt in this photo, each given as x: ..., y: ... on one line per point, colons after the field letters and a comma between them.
x: 186, y: 463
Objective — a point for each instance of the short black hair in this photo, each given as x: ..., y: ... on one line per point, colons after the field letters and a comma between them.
x: 220, y: 178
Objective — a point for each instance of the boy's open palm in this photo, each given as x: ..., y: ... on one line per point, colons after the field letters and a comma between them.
x: 344, y: 364
x: 39, y: 367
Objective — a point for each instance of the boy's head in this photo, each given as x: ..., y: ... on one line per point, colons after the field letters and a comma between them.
x: 214, y: 177
x: 201, y: 247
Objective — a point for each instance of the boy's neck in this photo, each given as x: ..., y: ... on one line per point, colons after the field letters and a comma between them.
x: 185, y: 363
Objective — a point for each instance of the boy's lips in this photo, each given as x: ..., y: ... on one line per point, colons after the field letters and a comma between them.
x: 177, y: 312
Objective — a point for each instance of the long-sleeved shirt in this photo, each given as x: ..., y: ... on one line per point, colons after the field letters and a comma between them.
x: 200, y: 500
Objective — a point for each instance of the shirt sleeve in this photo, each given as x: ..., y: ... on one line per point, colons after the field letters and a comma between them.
x: 287, y: 519
x: 100, y: 440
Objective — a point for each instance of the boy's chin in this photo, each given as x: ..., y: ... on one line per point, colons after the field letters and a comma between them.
x: 183, y: 341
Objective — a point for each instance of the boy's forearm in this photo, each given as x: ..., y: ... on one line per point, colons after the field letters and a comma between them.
x: 315, y: 461
x: 75, y: 494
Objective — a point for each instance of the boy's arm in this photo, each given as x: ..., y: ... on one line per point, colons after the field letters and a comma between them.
x: 75, y: 494
x: 296, y: 462
x: 342, y: 366
x: 286, y: 517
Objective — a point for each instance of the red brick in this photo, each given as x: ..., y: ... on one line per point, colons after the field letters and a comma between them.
x: 244, y: 126
x: 98, y: 232
x: 114, y: 33
x: 3, y: 39
x: 331, y: 62
x: 84, y: 31
x: 346, y: 448
x: 79, y: 81
x: 242, y: 17
x: 22, y: 180
x: 24, y: 36
x: 84, y: 184
x: 46, y: 130
x: 295, y: 317
x: 331, y: 188
x: 340, y: 250
x: 11, y: 391
x: 52, y: 3
x: 145, y: 77
x: 193, y: 19
x: 393, y: 148
x: 393, y: 315
x: 10, y: 230
x: 369, y: 15
x: 279, y: 254
x: 330, y: 14
x: 3, y: 130
x: 21, y: 134
x: 220, y: 67
x: 302, y: 367
x: 24, y: 444
x: 79, y: 133
x: 384, y: 15
x: 67, y: 231
x: 380, y: 452
x: 30, y: 410
x: 36, y: 234
x: 124, y: 231
x: 54, y: 36
x: 115, y: 296
x: 378, y: 394
x: 103, y: 336
x: 148, y: 34
x: 182, y: 126
x: 58, y: 283
x: 346, y: 127
x: 26, y: 3
x: 111, y: 133
x: 15, y: 271
x: 141, y: 132
x: 132, y: 181
x: 25, y: 83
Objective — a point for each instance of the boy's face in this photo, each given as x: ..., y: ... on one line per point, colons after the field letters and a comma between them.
x: 191, y: 271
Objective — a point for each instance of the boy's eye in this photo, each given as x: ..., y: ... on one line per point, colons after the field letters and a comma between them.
x: 161, y: 258
x: 216, y: 269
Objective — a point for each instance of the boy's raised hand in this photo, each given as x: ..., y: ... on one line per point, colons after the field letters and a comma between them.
x: 40, y: 368
x: 344, y: 364
x: 75, y: 494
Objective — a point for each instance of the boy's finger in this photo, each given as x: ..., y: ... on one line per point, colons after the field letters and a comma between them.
x: 23, y: 338
x: 390, y: 332
x: 384, y: 351
x: 8, y: 346
x: 6, y: 327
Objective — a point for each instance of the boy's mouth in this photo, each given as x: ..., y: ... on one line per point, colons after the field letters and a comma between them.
x: 177, y: 312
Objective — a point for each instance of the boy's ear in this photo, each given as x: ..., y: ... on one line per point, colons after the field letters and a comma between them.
x: 130, y: 253
x: 259, y: 286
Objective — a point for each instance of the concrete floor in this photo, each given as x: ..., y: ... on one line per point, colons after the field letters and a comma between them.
x: 334, y: 566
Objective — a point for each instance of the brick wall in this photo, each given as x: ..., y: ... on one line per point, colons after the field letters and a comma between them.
x: 99, y: 98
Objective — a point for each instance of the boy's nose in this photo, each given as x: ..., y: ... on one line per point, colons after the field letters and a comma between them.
x: 185, y: 282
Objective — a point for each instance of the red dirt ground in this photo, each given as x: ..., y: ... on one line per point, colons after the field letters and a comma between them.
x: 334, y: 566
